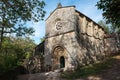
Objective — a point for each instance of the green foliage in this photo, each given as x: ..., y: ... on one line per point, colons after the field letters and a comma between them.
x: 111, y: 11
x: 15, y: 13
x: 42, y: 39
x: 109, y: 28
x: 88, y: 70
x: 24, y: 31
x: 13, y: 52
x: 104, y: 25
x: 7, y: 62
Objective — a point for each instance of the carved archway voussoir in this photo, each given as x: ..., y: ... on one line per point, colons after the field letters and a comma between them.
x: 58, y: 51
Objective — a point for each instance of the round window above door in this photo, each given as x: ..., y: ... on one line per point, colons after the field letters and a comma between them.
x: 58, y: 25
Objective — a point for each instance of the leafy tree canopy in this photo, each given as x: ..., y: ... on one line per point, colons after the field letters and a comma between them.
x: 18, y: 12
x: 42, y: 39
x: 111, y: 11
x: 14, y: 51
x: 109, y: 28
x: 104, y: 25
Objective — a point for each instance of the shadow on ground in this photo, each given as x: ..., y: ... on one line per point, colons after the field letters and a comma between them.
x: 112, y: 72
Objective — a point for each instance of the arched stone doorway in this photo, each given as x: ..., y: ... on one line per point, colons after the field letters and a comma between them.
x: 62, y: 62
x: 58, y: 58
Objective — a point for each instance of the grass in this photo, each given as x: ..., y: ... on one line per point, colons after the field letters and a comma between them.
x: 88, y: 70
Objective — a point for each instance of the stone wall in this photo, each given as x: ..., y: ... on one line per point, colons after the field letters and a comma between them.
x: 67, y: 41
x: 82, y: 40
x: 63, y: 15
x: 112, y: 44
x: 90, y: 37
x: 63, y: 37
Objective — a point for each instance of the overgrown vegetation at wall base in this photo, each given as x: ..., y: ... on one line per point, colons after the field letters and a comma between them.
x: 7, y: 62
x: 14, y: 51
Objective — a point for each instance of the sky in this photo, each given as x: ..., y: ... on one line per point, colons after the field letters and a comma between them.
x: 86, y: 7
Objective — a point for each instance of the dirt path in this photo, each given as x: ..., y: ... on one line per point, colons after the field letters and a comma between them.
x: 111, y: 73
x: 40, y: 76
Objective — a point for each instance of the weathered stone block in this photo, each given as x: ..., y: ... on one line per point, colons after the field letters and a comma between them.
x: 96, y: 34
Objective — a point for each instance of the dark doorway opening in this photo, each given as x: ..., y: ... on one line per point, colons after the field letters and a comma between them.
x: 62, y: 62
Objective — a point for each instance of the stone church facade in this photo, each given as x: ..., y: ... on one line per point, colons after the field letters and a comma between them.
x: 73, y: 39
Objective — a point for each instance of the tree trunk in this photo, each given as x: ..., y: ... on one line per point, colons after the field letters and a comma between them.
x: 1, y: 37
